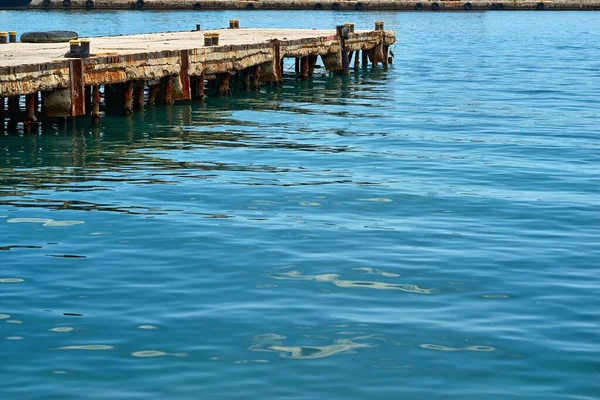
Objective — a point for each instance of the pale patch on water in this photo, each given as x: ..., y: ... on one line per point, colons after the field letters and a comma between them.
x: 13, y: 321
x: 376, y: 271
x: 446, y: 348
x: 495, y: 296
x: 334, y: 279
x: 100, y: 233
x: 156, y: 353
x: 271, y: 342
x: 44, y: 221
x: 4, y: 316
x: 309, y: 203
x: 378, y: 199
x: 14, y: 338
x: 62, y: 329
x: 147, y: 327
x: 11, y: 280
x: 265, y: 286
x: 149, y: 353
x: 92, y: 347
x: 59, y: 372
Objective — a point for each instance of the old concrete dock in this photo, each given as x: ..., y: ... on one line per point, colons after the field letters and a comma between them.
x: 122, y: 73
x: 359, y: 5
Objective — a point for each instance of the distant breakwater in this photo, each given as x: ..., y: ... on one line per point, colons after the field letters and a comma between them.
x: 335, y: 5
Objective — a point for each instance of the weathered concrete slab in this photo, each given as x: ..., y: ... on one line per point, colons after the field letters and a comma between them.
x: 32, y: 67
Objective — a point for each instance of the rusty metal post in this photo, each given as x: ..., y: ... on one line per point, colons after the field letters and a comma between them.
x: 342, y: 33
x: 365, y: 58
x: 304, y: 68
x: 223, y: 84
x: 96, y: 103
x: 167, y: 89
x: 256, y: 78
x: 77, y: 88
x: 88, y: 98
x: 138, y: 95
x: 153, y: 91
x: 2, y: 108
x: 385, y: 56
x: 184, y: 77
x: 14, y: 107
x: 278, y: 60
x: 246, y: 79
x: 297, y: 65
x: 30, y: 106
x: 128, y: 98
x: 350, y: 55
x: 312, y: 61
x: 200, y: 92
x: 356, y: 60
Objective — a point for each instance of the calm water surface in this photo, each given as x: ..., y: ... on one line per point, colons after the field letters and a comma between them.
x: 427, y: 231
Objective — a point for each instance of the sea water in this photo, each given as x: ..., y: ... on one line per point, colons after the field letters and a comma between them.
x: 429, y: 230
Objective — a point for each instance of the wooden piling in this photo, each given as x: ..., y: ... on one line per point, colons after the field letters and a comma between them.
x: 88, y: 98
x: 297, y: 65
x: 342, y: 32
x: 96, y: 103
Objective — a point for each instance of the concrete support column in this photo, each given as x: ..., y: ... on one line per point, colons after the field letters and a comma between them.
x: 138, y: 95
x: 365, y: 58
x: 256, y: 78
x: 223, y: 84
x: 153, y: 91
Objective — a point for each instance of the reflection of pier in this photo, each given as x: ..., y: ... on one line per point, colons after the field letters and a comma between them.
x: 140, y: 70
x: 335, y: 5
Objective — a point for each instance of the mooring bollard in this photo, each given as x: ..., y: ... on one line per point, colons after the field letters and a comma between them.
x: 12, y: 36
x: 215, y: 39
x: 232, y: 24
x: 74, y: 48
x: 237, y: 23
x: 378, y: 25
x: 198, y: 27
x: 350, y: 27
x: 208, y: 39
x: 3, y: 37
x: 84, y: 50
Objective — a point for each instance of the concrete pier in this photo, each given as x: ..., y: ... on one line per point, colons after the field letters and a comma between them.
x: 130, y: 72
x: 335, y: 5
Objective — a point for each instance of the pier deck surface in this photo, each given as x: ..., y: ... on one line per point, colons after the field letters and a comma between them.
x: 14, y: 54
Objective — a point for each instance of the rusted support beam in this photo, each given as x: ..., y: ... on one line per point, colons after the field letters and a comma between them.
x: 356, y: 59
x: 312, y: 61
x: 128, y: 98
x: 88, y: 98
x: 350, y: 54
x: 297, y: 65
x: 138, y: 95
x: 385, y: 55
x: 96, y: 103
x: 153, y: 91
x: 246, y: 79
x: 77, y: 88
x: 200, y: 92
x: 184, y: 61
x: 14, y: 107
x: 223, y: 84
x: 365, y: 58
x: 166, y: 89
x: 2, y: 110
x: 304, y: 68
x: 342, y: 33
x: 256, y: 78
x: 30, y: 106
x: 278, y: 60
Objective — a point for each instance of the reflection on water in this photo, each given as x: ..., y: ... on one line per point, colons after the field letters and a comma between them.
x: 272, y: 342
x: 446, y: 348
x: 334, y: 279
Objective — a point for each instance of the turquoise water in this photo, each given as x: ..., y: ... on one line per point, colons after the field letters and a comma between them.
x: 429, y: 230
